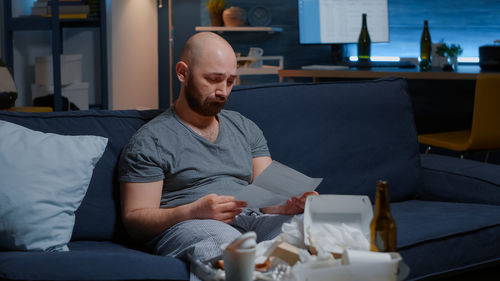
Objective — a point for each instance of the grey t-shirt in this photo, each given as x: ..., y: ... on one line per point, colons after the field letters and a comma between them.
x: 190, y: 165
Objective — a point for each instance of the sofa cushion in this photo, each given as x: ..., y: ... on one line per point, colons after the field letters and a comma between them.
x: 91, y: 261
x: 350, y: 133
x: 44, y: 179
x: 98, y: 216
x: 445, y: 178
x: 437, y: 237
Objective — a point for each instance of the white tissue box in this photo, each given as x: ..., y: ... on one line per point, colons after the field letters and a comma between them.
x: 327, y: 212
x: 71, y: 69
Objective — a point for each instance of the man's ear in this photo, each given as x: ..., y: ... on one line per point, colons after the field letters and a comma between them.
x: 182, y: 70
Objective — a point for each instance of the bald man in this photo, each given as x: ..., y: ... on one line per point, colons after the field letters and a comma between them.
x: 179, y: 171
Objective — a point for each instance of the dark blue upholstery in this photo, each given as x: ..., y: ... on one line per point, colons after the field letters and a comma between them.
x: 436, y: 237
x: 91, y: 261
x: 352, y: 134
x: 447, y: 210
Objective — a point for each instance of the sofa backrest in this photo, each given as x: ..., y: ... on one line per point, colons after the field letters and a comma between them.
x: 98, y: 216
x: 349, y: 133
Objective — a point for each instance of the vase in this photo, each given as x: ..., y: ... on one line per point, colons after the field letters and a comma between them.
x: 453, y: 61
x: 234, y: 16
x: 451, y: 64
x: 215, y: 19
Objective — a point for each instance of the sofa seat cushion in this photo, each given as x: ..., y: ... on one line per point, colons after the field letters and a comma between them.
x: 91, y: 261
x: 431, y: 232
x: 326, y: 130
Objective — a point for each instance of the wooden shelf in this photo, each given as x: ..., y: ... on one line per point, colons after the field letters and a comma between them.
x: 45, y: 23
x: 220, y: 29
x: 262, y: 70
x: 463, y: 73
x: 29, y: 23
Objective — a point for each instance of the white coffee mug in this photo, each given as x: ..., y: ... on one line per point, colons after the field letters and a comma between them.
x: 256, y: 53
x: 239, y: 264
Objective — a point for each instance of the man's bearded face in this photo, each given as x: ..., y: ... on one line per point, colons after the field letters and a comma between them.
x: 207, y: 105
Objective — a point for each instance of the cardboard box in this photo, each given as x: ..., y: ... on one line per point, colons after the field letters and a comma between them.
x: 71, y: 69
x: 355, y: 211
x: 286, y: 252
x: 77, y: 93
x: 352, y: 210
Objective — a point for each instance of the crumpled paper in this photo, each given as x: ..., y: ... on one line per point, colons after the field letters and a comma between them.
x: 327, y: 239
x: 337, y: 238
x: 293, y: 233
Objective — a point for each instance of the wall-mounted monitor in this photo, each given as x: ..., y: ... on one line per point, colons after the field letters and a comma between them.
x: 339, y: 21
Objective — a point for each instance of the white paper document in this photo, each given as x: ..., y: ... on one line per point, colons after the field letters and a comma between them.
x: 276, y: 184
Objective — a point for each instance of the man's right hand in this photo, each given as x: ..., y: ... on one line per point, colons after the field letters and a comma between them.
x: 217, y: 207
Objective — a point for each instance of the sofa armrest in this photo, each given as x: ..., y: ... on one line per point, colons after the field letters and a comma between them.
x: 451, y: 179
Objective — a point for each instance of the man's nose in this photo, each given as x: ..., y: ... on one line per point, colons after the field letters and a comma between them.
x: 222, y: 91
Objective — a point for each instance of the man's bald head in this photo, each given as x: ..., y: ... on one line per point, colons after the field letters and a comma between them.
x: 204, y: 44
x: 207, y: 72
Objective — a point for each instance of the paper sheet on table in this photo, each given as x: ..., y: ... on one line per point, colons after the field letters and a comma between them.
x: 276, y: 184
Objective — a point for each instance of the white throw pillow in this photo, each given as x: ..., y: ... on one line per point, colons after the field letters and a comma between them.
x: 43, y: 179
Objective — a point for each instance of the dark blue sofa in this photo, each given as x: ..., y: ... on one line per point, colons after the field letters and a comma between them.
x: 447, y: 210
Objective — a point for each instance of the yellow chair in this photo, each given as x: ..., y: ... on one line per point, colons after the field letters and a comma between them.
x: 485, y: 131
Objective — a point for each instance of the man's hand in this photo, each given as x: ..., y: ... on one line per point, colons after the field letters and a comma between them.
x: 293, y: 206
x: 217, y: 207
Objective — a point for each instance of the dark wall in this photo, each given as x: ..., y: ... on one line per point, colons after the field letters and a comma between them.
x: 286, y: 43
x: 466, y: 22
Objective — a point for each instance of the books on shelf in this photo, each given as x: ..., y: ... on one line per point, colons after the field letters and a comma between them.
x: 47, y: 3
x: 68, y: 9
x: 69, y: 16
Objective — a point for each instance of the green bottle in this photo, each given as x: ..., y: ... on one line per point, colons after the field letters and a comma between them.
x: 364, y: 43
x: 425, y: 48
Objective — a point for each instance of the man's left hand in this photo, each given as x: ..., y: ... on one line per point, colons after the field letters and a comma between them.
x: 293, y: 206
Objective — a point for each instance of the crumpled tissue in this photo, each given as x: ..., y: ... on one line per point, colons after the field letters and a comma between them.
x: 337, y: 238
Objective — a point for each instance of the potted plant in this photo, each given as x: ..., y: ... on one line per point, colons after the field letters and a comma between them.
x: 215, y: 9
x: 451, y: 52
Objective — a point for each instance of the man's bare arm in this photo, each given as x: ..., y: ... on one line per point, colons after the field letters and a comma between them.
x: 260, y: 164
x: 144, y: 219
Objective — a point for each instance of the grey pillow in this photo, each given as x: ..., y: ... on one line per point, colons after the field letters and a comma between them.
x: 44, y: 178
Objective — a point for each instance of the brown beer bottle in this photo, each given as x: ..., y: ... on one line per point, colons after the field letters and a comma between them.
x: 383, y: 226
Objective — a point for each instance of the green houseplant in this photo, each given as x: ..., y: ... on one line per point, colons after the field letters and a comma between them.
x: 451, y: 52
x: 215, y: 9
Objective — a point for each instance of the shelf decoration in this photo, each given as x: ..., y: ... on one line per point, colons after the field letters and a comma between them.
x: 259, y: 16
x: 451, y: 52
x: 234, y: 16
x: 215, y: 9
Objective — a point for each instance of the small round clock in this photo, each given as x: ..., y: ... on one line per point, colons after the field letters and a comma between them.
x: 259, y: 16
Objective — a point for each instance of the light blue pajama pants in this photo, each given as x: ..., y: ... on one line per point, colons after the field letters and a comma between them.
x: 203, y: 238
